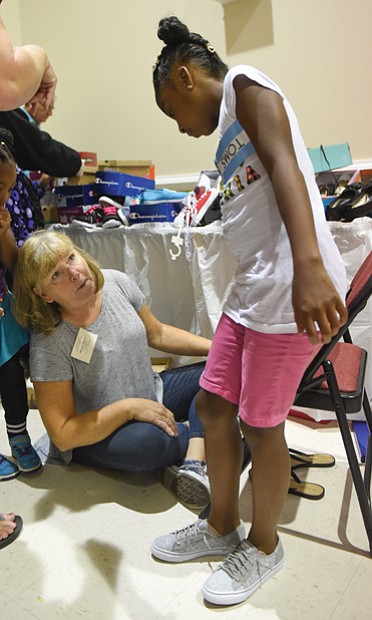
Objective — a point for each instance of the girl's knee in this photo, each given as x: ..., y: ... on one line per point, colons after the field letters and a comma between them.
x: 258, y: 436
x: 212, y: 409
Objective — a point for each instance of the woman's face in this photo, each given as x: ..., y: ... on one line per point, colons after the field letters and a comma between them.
x: 70, y: 283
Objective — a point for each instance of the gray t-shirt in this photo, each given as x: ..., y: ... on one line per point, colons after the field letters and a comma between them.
x: 120, y: 365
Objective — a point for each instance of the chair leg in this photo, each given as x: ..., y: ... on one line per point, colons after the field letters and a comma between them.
x: 368, y: 459
x: 363, y: 496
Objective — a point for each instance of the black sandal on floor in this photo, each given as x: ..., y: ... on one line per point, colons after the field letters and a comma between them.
x: 301, y: 459
x: 303, y: 488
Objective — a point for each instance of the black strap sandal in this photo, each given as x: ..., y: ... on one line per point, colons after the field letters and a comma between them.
x: 300, y: 460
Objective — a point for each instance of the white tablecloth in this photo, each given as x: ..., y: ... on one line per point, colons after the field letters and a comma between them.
x: 189, y: 292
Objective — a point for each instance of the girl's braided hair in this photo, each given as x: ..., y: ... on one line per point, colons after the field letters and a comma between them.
x: 6, y: 146
x: 183, y: 46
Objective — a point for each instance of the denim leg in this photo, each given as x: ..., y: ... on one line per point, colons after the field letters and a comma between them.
x: 135, y: 447
x: 181, y: 386
x: 143, y: 447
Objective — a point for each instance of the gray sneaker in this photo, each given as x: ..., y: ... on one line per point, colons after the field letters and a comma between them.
x: 195, y: 541
x: 191, y: 484
x: 241, y: 574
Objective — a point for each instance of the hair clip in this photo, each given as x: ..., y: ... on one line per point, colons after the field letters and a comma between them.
x: 210, y: 48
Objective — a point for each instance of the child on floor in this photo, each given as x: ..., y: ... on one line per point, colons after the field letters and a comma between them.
x: 13, y: 338
x: 286, y: 298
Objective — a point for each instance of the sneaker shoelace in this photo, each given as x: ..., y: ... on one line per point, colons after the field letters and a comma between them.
x: 196, y: 466
x: 187, y: 531
x: 22, y: 450
x: 236, y: 563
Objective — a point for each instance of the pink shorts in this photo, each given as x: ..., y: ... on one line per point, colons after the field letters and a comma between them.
x: 258, y: 372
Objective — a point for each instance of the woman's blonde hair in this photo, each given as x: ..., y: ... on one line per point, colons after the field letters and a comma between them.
x: 37, y: 257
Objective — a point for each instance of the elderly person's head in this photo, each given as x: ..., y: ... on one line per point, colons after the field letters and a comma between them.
x: 52, y: 273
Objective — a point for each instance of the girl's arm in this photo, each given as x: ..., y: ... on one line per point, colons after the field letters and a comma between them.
x: 315, y: 300
x: 69, y: 430
x: 8, y: 246
x: 172, y: 339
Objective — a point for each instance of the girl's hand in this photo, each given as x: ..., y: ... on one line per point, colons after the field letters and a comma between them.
x: 144, y: 410
x: 4, y: 220
x: 316, y: 301
x: 1, y: 312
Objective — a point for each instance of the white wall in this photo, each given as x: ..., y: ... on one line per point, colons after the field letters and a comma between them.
x: 317, y: 50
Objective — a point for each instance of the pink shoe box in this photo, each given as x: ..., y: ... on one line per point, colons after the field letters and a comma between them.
x: 162, y: 212
x: 67, y: 214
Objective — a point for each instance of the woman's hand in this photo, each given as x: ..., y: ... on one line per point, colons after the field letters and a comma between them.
x: 46, y: 90
x: 144, y: 410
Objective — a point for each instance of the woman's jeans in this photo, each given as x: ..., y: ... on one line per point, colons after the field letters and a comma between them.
x: 141, y: 446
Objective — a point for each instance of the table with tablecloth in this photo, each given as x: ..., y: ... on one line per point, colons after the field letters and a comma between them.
x: 190, y: 290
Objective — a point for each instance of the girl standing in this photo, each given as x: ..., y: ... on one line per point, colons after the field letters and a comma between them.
x: 286, y: 298
x: 13, y: 338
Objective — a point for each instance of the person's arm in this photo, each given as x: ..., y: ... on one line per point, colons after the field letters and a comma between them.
x: 172, y: 339
x: 8, y: 246
x: 69, y: 430
x: 315, y: 300
x: 26, y: 73
x: 35, y: 149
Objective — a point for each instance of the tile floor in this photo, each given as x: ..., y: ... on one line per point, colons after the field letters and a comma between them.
x: 84, y: 550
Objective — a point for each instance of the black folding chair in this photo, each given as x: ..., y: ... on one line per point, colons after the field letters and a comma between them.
x: 334, y: 380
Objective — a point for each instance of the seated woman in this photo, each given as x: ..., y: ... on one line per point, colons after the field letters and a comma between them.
x: 99, y: 399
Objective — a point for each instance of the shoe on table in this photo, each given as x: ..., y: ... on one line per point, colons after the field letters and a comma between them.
x: 241, y: 574
x: 92, y: 218
x: 8, y: 469
x: 27, y: 458
x: 195, y: 541
x: 191, y: 484
x: 113, y: 213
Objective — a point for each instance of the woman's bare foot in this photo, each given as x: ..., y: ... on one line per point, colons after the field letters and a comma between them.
x: 7, y: 525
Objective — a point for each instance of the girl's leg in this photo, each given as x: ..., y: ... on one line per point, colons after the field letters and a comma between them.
x: 270, y: 482
x: 14, y: 395
x: 14, y: 399
x: 224, y: 449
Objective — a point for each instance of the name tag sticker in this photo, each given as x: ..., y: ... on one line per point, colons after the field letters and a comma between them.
x: 84, y: 345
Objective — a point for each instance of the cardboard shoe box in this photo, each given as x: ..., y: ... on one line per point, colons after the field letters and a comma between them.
x: 139, y: 168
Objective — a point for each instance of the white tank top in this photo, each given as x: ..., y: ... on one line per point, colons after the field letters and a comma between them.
x: 252, y: 224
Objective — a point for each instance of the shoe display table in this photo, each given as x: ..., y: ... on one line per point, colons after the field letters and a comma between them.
x: 189, y: 291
